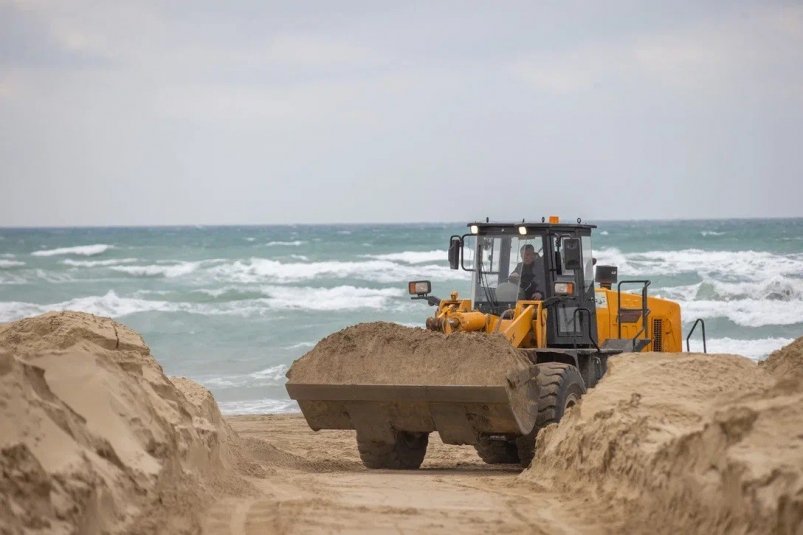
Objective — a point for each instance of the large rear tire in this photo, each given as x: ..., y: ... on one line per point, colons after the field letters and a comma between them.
x: 560, y: 386
x: 406, y: 452
x: 497, y: 451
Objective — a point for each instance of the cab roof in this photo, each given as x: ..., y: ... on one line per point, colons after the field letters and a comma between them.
x: 505, y: 228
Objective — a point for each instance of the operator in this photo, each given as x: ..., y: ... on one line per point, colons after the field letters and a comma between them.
x: 529, y: 274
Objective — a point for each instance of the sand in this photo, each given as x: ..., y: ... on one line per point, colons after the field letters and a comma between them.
x: 684, y: 443
x: 96, y: 439
x: 388, y: 353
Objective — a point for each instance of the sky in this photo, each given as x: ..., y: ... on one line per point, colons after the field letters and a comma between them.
x: 262, y: 112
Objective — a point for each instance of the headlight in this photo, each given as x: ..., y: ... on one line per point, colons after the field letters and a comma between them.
x: 419, y: 287
x: 522, y: 230
x: 564, y: 288
x: 475, y: 229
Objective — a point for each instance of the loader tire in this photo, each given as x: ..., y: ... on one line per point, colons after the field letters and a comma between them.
x: 560, y: 386
x: 497, y: 451
x: 405, y: 453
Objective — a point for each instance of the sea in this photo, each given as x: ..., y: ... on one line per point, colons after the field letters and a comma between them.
x: 231, y: 307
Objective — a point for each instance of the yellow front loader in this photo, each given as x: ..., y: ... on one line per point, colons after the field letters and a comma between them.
x: 536, y: 285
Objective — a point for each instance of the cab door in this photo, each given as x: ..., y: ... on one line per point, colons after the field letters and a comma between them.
x: 572, y: 319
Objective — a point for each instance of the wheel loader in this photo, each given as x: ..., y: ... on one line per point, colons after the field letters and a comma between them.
x: 532, y: 285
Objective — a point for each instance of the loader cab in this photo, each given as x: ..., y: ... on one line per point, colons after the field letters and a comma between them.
x: 554, y: 265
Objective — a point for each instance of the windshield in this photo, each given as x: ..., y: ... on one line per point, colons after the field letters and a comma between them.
x: 507, y: 268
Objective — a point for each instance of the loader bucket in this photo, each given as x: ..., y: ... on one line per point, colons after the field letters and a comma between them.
x: 460, y: 387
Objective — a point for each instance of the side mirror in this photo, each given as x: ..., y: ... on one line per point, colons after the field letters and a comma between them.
x: 455, y: 244
x: 606, y: 276
x: 572, y: 253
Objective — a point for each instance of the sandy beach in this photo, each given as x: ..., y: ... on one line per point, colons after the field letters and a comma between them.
x: 96, y: 439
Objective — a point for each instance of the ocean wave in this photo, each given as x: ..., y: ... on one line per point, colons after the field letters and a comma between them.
x: 97, y: 263
x: 82, y: 250
x: 322, y: 299
x: 413, y: 257
x: 6, y: 264
x: 300, y: 345
x: 777, y: 288
x: 258, y: 270
x: 706, y: 233
x: 109, y: 304
x: 726, y: 266
x: 294, y: 243
x: 273, y: 376
x: 745, y: 312
x: 756, y: 349
x: 159, y: 270
x: 258, y: 406
x: 272, y: 299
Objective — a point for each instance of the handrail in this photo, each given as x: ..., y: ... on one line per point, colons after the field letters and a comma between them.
x: 588, y: 324
x: 644, y: 309
x: 701, y: 322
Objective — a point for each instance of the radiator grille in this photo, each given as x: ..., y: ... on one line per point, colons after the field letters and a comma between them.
x: 657, y: 335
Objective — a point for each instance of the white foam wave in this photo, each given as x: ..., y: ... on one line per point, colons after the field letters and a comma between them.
x: 705, y: 233
x: 414, y: 257
x: 8, y: 255
x: 264, y: 270
x: 300, y: 345
x: 746, y: 312
x: 756, y: 349
x: 728, y: 266
x: 299, y: 257
x: 259, y: 406
x: 97, y: 263
x: 5, y: 264
x: 273, y: 376
x: 338, y: 298
x: 82, y: 250
x: 109, y: 304
x: 294, y: 243
x: 603, y: 233
x: 159, y: 270
x: 774, y: 289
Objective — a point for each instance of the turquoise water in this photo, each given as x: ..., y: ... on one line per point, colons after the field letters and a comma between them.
x: 231, y: 307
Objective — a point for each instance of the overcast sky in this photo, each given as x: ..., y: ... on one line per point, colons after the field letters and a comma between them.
x: 209, y: 112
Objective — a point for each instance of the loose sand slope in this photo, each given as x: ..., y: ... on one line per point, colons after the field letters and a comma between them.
x: 95, y: 437
x: 387, y: 353
x: 685, y: 443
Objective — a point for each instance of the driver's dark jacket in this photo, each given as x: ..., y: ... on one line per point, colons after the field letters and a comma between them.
x: 532, y: 278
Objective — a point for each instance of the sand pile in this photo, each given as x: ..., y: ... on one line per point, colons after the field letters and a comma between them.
x: 387, y: 353
x: 95, y: 438
x: 787, y: 362
x: 684, y: 443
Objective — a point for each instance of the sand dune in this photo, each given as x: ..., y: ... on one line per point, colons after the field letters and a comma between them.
x: 96, y: 439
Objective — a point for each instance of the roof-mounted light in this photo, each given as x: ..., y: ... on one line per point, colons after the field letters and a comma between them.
x: 554, y: 220
x: 475, y: 229
x: 522, y: 230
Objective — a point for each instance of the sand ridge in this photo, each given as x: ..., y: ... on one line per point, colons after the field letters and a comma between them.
x: 683, y: 443
x: 96, y: 439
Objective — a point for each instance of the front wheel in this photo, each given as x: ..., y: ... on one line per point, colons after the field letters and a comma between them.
x: 406, y: 452
x: 560, y: 386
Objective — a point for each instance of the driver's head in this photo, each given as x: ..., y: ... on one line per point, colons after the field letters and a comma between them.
x: 528, y: 253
